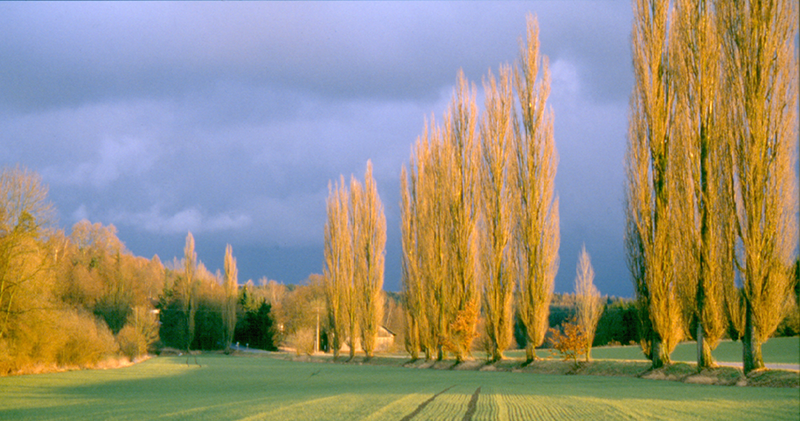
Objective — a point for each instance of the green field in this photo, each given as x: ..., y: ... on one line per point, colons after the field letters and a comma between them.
x: 775, y: 351
x: 255, y: 388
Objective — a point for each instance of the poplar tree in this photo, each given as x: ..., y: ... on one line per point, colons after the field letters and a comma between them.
x: 651, y: 231
x: 459, y: 217
x: 705, y: 168
x: 231, y: 296
x: 355, y: 239
x: 425, y: 244
x: 189, y: 292
x: 411, y: 279
x: 761, y: 74
x: 536, y: 213
x: 369, y: 239
x: 350, y: 286
x: 588, y: 303
x: 495, y: 232
x: 338, y: 269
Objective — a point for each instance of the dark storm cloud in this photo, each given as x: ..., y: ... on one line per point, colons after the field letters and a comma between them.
x: 229, y: 119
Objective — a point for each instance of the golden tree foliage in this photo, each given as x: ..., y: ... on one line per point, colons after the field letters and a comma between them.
x: 536, y: 160
x: 588, y: 303
x: 424, y: 265
x: 189, y: 290
x: 496, y: 227
x: 338, y: 270
x: 231, y: 295
x: 411, y: 281
x: 761, y: 75
x: 59, y: 294
x: 652, y: 181
x: 479, y: 212
x: 25, y: 218
x: 571, y: 344
x: 440, y: 210
x: 140, y: 331
x: 460, y: 147
x: 369, y: 240
x: 704, y: 165
x: 355, y: 240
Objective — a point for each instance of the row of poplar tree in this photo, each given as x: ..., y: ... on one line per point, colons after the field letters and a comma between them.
x: 355, y: 242
x: 711, y: 198
x: 480, y: 216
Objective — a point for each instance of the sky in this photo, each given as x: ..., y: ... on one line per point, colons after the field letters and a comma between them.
x: 230, y: 119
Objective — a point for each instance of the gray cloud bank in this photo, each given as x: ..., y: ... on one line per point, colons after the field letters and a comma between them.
x: 229, y: 119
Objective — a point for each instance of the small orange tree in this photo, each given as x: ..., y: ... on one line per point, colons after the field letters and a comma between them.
x: 571, y: 344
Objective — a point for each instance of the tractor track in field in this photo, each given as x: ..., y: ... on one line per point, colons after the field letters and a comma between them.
x: 424, y: 404
x: 473, y: 403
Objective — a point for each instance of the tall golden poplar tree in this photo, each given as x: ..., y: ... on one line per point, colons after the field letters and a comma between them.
x: 369, y: 240
x: 588, y: 303
x: 459, y: 149
x: 440, y: 210
x: 495, y: 230
x: 537, y: 214
x: 355, y: 240
x: 338, y: 262
x: 424, y: 244
x: 231, y: 295
x: 761, y: 73
x: 411, y: 281
x: 189, y: 293
x: 652, y: 182
x: 704, y: 170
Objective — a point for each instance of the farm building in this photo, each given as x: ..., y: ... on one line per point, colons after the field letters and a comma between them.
x: 383, y: 343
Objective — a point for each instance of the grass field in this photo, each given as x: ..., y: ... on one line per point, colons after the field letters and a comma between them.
x: 775, y: 350
x: 256, y: 388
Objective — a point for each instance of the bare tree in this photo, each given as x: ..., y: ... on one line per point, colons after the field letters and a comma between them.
x: 761, y: 73
x: 538, y: 234
x: 588, y: 303
x: 231, y: 295
x: 25, y: 218
x: 495, y: 231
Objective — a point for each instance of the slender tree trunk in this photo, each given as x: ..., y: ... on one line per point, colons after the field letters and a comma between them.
x: 704, y: 357
x: 530, y: 352
x: 657, y: 352
x: 751, y: 348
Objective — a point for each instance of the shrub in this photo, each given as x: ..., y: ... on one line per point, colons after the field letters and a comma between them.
x: 84, y: 340
x: 303, y: 341
x: 571, y: 344
x: 140, y: 331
